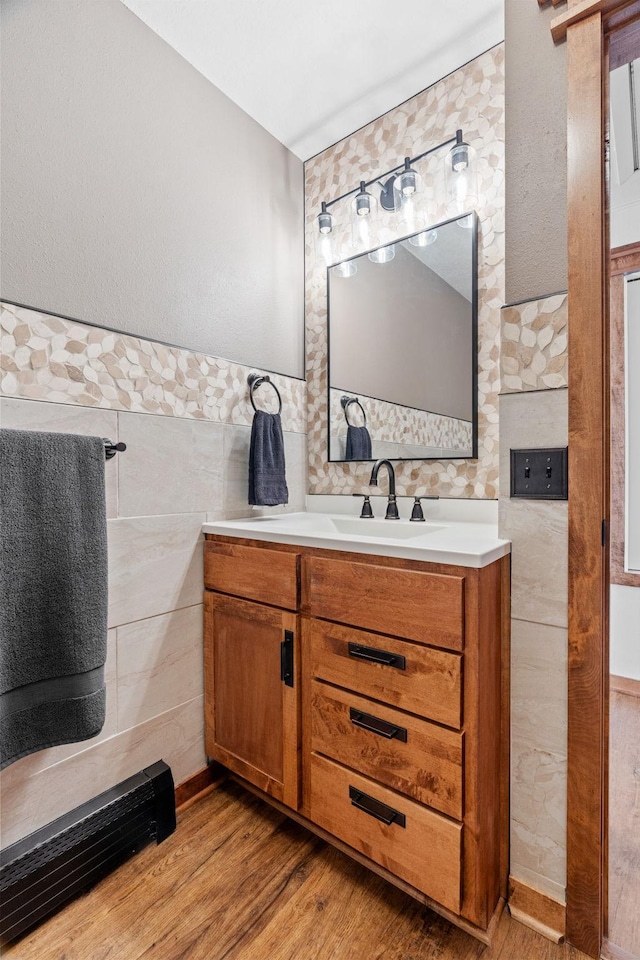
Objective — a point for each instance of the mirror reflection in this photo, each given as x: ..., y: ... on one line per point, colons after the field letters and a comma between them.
x: 402, y: 348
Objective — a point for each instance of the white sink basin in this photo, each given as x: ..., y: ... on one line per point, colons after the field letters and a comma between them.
x: 387, y: 529
x: 462, y: 543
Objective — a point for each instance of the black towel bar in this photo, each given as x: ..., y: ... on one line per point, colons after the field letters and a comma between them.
x: 254, y: 380
x: 111, y: 448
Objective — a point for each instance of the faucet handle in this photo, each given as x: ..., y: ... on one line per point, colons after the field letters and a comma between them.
x: 392, y: 508
x: 367, y: 511
x: 416, y: 513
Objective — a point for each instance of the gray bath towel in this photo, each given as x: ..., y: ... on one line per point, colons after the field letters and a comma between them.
x: 267, y: 480
x: 53, y: 578
x: 358, y: 443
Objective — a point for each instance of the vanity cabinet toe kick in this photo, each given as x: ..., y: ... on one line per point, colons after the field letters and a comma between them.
x: 366, y: 697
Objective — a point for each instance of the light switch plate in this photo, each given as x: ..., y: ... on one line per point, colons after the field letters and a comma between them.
x: 540, y: 474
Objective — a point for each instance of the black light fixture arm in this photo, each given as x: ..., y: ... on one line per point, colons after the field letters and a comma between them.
x: 368, y: 183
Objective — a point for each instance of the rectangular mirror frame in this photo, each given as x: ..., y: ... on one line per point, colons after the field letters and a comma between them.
x: 474, y: 340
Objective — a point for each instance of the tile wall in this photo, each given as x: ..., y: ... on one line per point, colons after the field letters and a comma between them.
x: 471, y: 98
x: 533, y: 413
x: 185, y: 419
x: 398, y: 432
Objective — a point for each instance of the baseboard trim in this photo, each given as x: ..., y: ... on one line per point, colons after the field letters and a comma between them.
x: 535, y: 909
x: 625, y: 685
x: 610, y: 951
x: 199, y: 784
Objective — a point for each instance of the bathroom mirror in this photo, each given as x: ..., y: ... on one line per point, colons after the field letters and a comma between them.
x: 402, y: 332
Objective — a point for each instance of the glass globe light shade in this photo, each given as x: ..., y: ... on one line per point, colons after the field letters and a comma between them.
x: 347, y: 268
x: 424, y: 239
x: 383, y: 254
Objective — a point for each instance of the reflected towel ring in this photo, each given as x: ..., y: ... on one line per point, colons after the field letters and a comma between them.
x: 254, y: 380
x: 346, y: 403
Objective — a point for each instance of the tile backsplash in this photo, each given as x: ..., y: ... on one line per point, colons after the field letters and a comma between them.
x: 533, y: 352
x: 471, y: 98
x: 47, y: 357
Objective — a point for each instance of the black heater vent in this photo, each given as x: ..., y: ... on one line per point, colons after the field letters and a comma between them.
x: 54, y: 864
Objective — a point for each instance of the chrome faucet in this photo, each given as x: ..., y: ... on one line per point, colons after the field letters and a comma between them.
x: 392, y: 506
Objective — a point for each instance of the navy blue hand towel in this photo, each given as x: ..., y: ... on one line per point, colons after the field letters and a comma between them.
x: 358, y: 443
x: 267, y: 480
x: 53, y: 577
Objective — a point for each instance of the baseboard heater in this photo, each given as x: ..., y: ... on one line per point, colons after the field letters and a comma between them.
x: 54, y: 864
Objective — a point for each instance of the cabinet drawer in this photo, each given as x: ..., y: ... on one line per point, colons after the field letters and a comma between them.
x: 255, y: 573
x: 408, y: 754
x: 421, y: 606
x: 406, y: 675
x: 419, y: 845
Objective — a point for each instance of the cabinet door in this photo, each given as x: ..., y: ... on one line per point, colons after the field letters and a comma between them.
x: 251, y: 693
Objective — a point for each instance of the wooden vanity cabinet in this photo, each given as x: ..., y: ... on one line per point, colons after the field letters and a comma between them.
x: 393, y: 741
x: 252, y: 666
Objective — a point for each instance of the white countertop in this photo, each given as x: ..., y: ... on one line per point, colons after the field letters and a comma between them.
x: 467, y: 544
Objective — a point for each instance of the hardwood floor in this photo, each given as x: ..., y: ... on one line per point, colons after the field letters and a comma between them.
x: 239, y: 881
x: 624, y: 822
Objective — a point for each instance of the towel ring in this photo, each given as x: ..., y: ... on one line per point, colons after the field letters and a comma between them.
x: 254, y: 380
x: 346, y: 403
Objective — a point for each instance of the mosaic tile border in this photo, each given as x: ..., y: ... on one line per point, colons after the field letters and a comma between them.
x: 45, y: 357
x: 534, y: 353
x: 472, y: 99
x: 389, y: 421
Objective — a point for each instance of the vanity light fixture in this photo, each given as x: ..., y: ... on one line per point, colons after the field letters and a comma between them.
x: 461, y: 178
x: 408, y: 182
x: 326, y: 248
x: 399, y: 189
x: 364, y: 211
x: 459, y: 154
x: 390, y: 199
x: 325, y: 221
x: 325, y: 240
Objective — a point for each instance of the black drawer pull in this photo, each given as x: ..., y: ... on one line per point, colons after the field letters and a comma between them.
x: 376, y: 809
x: 375, y: 725
x: 373, y: 655
x: 286, y: 658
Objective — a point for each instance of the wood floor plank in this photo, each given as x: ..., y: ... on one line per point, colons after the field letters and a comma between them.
x: 239, y: 881
x: 319, y: 920
x: 201, y: 863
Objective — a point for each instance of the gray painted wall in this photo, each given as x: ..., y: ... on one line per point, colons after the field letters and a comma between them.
x: 136, y: 195
x: 399, y: 332
x: 536, y: 154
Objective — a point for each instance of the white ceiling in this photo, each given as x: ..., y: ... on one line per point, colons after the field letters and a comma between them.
x: 313, y: 72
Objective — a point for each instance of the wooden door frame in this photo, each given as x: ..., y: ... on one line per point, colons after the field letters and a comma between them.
x: 624, y: 260
x: 587, y: 25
